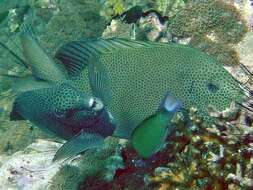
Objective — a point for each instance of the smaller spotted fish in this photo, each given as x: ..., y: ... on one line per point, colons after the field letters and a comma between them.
x: 149, y: 136
x: 50, y: 100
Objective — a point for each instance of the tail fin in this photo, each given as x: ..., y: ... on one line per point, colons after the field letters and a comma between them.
x: 17, y: 59
x: 43, y: 66
x: 17, y: 81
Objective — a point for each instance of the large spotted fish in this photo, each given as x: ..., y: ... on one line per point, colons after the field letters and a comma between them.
x: 131, y: 76
x: 50, y: 101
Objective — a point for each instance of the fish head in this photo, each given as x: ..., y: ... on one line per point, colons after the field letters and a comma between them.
x: 214, y: 87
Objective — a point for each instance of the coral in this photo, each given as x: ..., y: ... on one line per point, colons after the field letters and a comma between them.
x: 83, y: 21
x: 213, y: 26
x: 147, y: 28
x: 222, y: 52
x: 206, y: 17
x: 168, y: 8
x: 209, y: 25
x: 112, y: 8
x: 214, y: 158
x: 29, y: 169
x: 245, y: 49
x: 118, y: 28
x: 67, y: 178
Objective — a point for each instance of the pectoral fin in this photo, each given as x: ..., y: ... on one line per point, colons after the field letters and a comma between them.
x: 100, y: 82
x: 77, y: 144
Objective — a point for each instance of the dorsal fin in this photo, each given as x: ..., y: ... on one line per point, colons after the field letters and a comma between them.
x: 77, y: 55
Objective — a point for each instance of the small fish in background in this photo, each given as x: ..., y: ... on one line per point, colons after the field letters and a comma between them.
x: 135, y: 13
x: 149, y: 136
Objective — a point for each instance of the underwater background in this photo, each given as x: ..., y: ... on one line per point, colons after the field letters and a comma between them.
x: 196, y: 158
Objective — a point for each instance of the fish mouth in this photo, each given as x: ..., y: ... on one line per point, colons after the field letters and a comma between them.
x: 226, y: 113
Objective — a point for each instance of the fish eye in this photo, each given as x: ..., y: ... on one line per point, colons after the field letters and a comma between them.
x: 212, y: 87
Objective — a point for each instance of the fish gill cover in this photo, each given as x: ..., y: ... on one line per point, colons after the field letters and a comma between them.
x: 194, y: 157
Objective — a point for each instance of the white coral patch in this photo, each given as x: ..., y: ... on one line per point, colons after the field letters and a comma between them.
x: 31, y: 169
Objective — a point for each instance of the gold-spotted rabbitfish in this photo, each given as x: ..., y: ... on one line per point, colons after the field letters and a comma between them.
x: 130, y: 77
x: 50, y: 101
x: 149, y: 136
x: 118, y: 83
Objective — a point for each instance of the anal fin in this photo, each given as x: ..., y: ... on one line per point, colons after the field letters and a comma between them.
x: 77, y: 144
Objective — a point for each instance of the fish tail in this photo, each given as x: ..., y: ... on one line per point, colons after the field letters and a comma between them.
x: 13, y: 72
x: 17, y: 75
x: 16, y: 58
x: 43, y: 66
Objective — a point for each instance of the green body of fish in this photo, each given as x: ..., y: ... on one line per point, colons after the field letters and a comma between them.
x: 141, y: 73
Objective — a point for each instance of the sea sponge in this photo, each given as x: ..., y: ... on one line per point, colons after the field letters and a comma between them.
x: 204, y: 17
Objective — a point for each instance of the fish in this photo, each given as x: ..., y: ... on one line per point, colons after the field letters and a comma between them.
x: 49, y: 100
x: 130, y: 77
x: 63, y: 110
x: 149, y: 136
x: 127, y: 77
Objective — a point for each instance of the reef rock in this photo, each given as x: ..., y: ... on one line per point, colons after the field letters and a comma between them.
x: 31, y: 169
